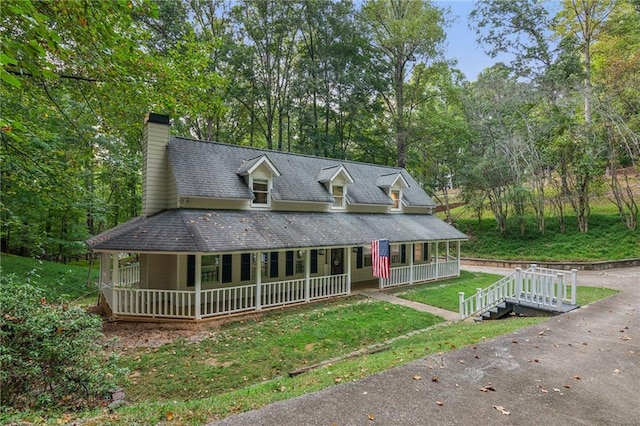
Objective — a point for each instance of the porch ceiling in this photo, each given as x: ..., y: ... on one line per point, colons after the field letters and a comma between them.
x: 190, y: 230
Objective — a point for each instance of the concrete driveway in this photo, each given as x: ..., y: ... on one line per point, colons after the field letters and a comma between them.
x: 579, y: 368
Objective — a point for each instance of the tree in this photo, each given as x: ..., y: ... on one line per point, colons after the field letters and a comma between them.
x: 404, y: 32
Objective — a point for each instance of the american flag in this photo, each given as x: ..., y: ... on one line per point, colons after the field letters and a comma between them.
x: 380, y: 259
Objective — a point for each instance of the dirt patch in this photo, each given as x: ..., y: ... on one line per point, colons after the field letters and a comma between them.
x: 124, y: 335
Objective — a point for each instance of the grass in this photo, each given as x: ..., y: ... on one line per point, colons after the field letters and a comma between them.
x: 607, y: 238
x: 245, y: 364
x: 444, y: 294
x: 58, y: 281
x: 199, y: 410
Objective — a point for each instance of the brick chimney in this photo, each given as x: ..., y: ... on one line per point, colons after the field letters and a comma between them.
x: 155, y: 164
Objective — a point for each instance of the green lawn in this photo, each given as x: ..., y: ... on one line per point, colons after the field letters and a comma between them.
x: 58, y: 281
x: 444, y: 294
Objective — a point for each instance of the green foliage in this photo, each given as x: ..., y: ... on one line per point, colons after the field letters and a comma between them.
x: 49, y: 355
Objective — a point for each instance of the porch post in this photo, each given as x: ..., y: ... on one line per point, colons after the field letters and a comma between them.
x: 458, y: 256
x: 574, y: 285
x: 411, y: 262
x: 348, y: 269
x: 115, y: 274
x: 198, y: 286
x: 307, y: 275
x: 560, y: 295
x: 447, y: 251
x: 259, y: 281
x: 518, y: 283
x: 437, y: 244
x: 105, y: 276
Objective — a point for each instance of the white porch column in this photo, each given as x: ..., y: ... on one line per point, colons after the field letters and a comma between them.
x: 411, y: 255
x: 574, y: 285
x: 458, y: 256
x: 437, y: 243
x: 105, y: 276
x: 198, y: 286
x: 348, y: 249
x: 448, y: 251
x: 115, y: 274
x: 259, y: 281
x: 307, y: 275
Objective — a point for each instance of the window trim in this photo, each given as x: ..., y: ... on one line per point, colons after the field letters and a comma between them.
x: 342, y: 197
x: 397, y: 202
x: 252, y: 181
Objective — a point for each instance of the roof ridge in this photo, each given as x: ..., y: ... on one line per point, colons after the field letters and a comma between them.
x: 265, y: 150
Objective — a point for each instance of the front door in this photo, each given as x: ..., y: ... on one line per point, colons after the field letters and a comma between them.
x: 337, y: 264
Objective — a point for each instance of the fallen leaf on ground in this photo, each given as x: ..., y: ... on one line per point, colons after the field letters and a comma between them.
x: 416, y: 377
x: 439, y: 403
x: 488, y: 388
x: 576, y: 377
x: 616, y: 371
x: 435, y: 378
x: 544, y: 390
x: 501, y: 409
x: 567, y: 386
x: 625, y: 338
x: 371, y: 417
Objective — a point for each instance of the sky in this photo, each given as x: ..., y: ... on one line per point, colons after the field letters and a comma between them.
x: 461, y: 40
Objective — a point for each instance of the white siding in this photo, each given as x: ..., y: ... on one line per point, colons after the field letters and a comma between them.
x: 155, y: 169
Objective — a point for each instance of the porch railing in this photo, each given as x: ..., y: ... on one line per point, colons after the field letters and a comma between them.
x: 540, y: 287
x: 423, y: 272
x: 128, y: 275
x: 220, y: 301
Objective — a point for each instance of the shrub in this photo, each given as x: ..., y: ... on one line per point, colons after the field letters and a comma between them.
x: 49, y: 352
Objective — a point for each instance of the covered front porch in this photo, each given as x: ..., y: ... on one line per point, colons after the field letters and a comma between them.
x: 204, y: 285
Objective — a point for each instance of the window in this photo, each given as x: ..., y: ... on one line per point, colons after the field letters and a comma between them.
x: 300, y: 256
x: 366, y: 252
x: 245, y: 267
x: 260, y: 188
x: 359, y: 258
x: 417, y: 252
x: 395, y: 196
x: 395, y: 253
x: 226, y: 268
x: 191, y: 270
x: 288, y: 270
x: 210, y: 269
x: 338, y: 194
x: 273, y: 264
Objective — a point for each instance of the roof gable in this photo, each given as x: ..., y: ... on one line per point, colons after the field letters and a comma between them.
x: 251, y: 165
x: 329, y: 174
x: 392, y: 180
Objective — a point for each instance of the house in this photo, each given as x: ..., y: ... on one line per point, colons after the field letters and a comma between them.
x: 228, y: 229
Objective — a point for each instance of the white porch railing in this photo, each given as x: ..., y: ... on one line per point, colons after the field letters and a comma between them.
x: 128, y: 275
x: 153, y: 303
x: 540, y: 287
x: 220, y: 301
x: 422, y: 272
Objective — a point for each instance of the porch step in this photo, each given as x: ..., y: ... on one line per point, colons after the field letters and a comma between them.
x: 498, y: 311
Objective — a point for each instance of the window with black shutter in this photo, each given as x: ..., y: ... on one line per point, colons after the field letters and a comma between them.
x: 314, y: 261
x: 191, y: 270
x: 289, y: 263
x: 226, y: 268
x: 359, y: 258
x: 245, y: 267
x: 273, y: 264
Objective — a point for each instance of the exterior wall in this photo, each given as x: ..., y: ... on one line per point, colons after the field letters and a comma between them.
x: 158, y: 271
x: 155, y: 169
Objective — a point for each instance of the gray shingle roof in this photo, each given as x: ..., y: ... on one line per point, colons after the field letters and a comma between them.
x: 209, y: 169
x: 187, y: 230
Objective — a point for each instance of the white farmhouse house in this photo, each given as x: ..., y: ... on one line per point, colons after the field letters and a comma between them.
x: 228, y: 229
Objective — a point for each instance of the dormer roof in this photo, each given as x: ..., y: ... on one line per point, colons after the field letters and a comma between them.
x: 329, y: 174
x: 392, y: 180
x: 249, y: 166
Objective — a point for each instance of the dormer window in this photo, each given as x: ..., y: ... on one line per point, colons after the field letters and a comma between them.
x: 396, y: 196
x: 261, y: 192
x: 393, y: 184
x: 259, y: 172
x: 335, y: 179
x: 338, y: 196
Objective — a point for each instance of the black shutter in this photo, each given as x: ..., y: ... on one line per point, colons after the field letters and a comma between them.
x: 314, y: 262
x: 273, y: 266
x: 359, y: 258
x: 403, y: 253
x: 289, y: 263
x: 226, y: 268
x: 191, y: 270
x: 425, y: 251
x: 245, y: 267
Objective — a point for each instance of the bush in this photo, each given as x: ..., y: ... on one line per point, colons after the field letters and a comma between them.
x: 49, y: 353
